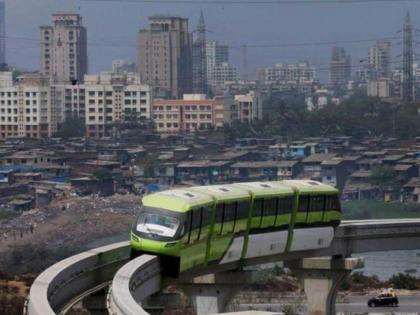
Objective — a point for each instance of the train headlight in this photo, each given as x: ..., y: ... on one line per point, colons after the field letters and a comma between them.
x: 135, y: 238
x: 170, y: 244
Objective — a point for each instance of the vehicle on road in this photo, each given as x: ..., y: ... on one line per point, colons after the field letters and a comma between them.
x: 383, y: 300
x: 197, y: 226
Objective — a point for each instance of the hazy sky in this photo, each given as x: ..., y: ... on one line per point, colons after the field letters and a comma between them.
x: 112, y: 28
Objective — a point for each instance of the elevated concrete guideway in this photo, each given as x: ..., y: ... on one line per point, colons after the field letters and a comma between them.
x: 67, y: 282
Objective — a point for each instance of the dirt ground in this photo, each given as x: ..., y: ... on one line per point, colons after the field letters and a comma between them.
x: 72, y: 221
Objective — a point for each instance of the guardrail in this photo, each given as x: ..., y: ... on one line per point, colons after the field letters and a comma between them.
x: 64, y: 282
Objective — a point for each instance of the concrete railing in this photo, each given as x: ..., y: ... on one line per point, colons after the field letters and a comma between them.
x: 70, y: 278
x: 133, y: 283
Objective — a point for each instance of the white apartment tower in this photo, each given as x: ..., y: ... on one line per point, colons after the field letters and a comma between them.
x: 2, y: 34
x: 216, y: 54
x: 64, y: 48
x: 379, y: 59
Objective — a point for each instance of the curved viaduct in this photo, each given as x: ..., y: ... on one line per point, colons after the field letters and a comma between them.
x: 131, y: 282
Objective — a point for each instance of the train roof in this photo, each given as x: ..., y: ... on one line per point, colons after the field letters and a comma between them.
x: 309, y: 186
x: 224, y: 192
x: 180, y: 200
x: 260, y: 189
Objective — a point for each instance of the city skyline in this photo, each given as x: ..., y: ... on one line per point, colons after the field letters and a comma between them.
x: 120, y: 42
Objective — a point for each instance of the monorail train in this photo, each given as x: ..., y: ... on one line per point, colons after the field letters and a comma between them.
x: 204, y: 225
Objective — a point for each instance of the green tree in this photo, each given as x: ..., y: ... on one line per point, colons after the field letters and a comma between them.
x: 403, y: 281
x: 384, y: 177
x: 71, y: 127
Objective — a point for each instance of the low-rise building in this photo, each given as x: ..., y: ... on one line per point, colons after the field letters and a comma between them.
x: 194, y: 112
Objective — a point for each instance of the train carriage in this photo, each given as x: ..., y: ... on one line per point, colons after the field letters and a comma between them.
x: 226, y: 223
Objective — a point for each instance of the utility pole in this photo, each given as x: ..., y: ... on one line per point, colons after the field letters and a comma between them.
x: 245, y: 61
x: 407, y: 94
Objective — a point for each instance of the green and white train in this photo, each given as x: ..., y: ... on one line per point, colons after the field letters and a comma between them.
x: 204, y: 225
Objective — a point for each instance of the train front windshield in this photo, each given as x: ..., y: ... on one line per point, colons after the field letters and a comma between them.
x: 158, y: 223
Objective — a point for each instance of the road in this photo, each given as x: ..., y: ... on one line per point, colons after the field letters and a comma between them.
x: 409, y: 305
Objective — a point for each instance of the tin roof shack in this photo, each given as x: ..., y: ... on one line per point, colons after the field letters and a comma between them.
x: 411, y: 191
x: 22, y: 203
x: 43, y: 197
x: 312, y: 165
x: 6, y: 177
x: 334, y: 173
x: 277, y: 151
x: 289, y: 169
x: 237, y: 156
x: 256, y: 170
x: 91, y: 185
x: 405, y: 172
x: 203, y: 171
x: 359, y: 187
x: 299, y: 150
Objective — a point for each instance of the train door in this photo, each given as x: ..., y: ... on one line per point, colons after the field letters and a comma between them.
x: 224, y: 225
x: 316, y: 208
x: 194, y: 241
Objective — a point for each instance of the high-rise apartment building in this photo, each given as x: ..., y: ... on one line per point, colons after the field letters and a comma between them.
x: 164, y: 56
x: 223, y: 73
x: 64, y: 48
x: 301, y: 73
x: 199, y: 71
x: 340, y: 67
x: 2, y: 34
x: 123, y: 66
x: 379, y: 59
x: 216, y: 54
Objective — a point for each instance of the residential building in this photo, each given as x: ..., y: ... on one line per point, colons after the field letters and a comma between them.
x: 194, y: 112
x: 121, y: 66
x: 222, y: 73
x: 64, y: 48
x: 340, y: 67
x: 111, y: 99
x: 379, y: 88
x: 247, y: 107
x: 164, y: 56
x: 199, y: 72
x: 25, y: 107
x: 300, y: 73
x: 2, y: 34
x: 379, y: 59
x: 216, y: 54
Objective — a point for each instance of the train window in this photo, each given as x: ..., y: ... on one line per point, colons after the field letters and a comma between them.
x: 285, y: 205
x: 230, y: 216
x: 303, y: 203
x: 257, y: 210
x: 318, y: 203
x: 196, y: 219
x: 206, y: 216
x: 187, y: 231
x: 196, y: 224
x: 332, y: 203
x: 243, y: 210
x: 220, y: 213
x: 270, y: 206
x: 230, y: 212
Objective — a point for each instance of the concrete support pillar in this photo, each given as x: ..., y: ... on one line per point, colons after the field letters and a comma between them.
x: 321, y: 277
x: 210, y: 294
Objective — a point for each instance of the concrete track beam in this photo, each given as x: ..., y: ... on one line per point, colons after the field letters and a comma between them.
x: 210, y: 294
x: 321, y: 277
